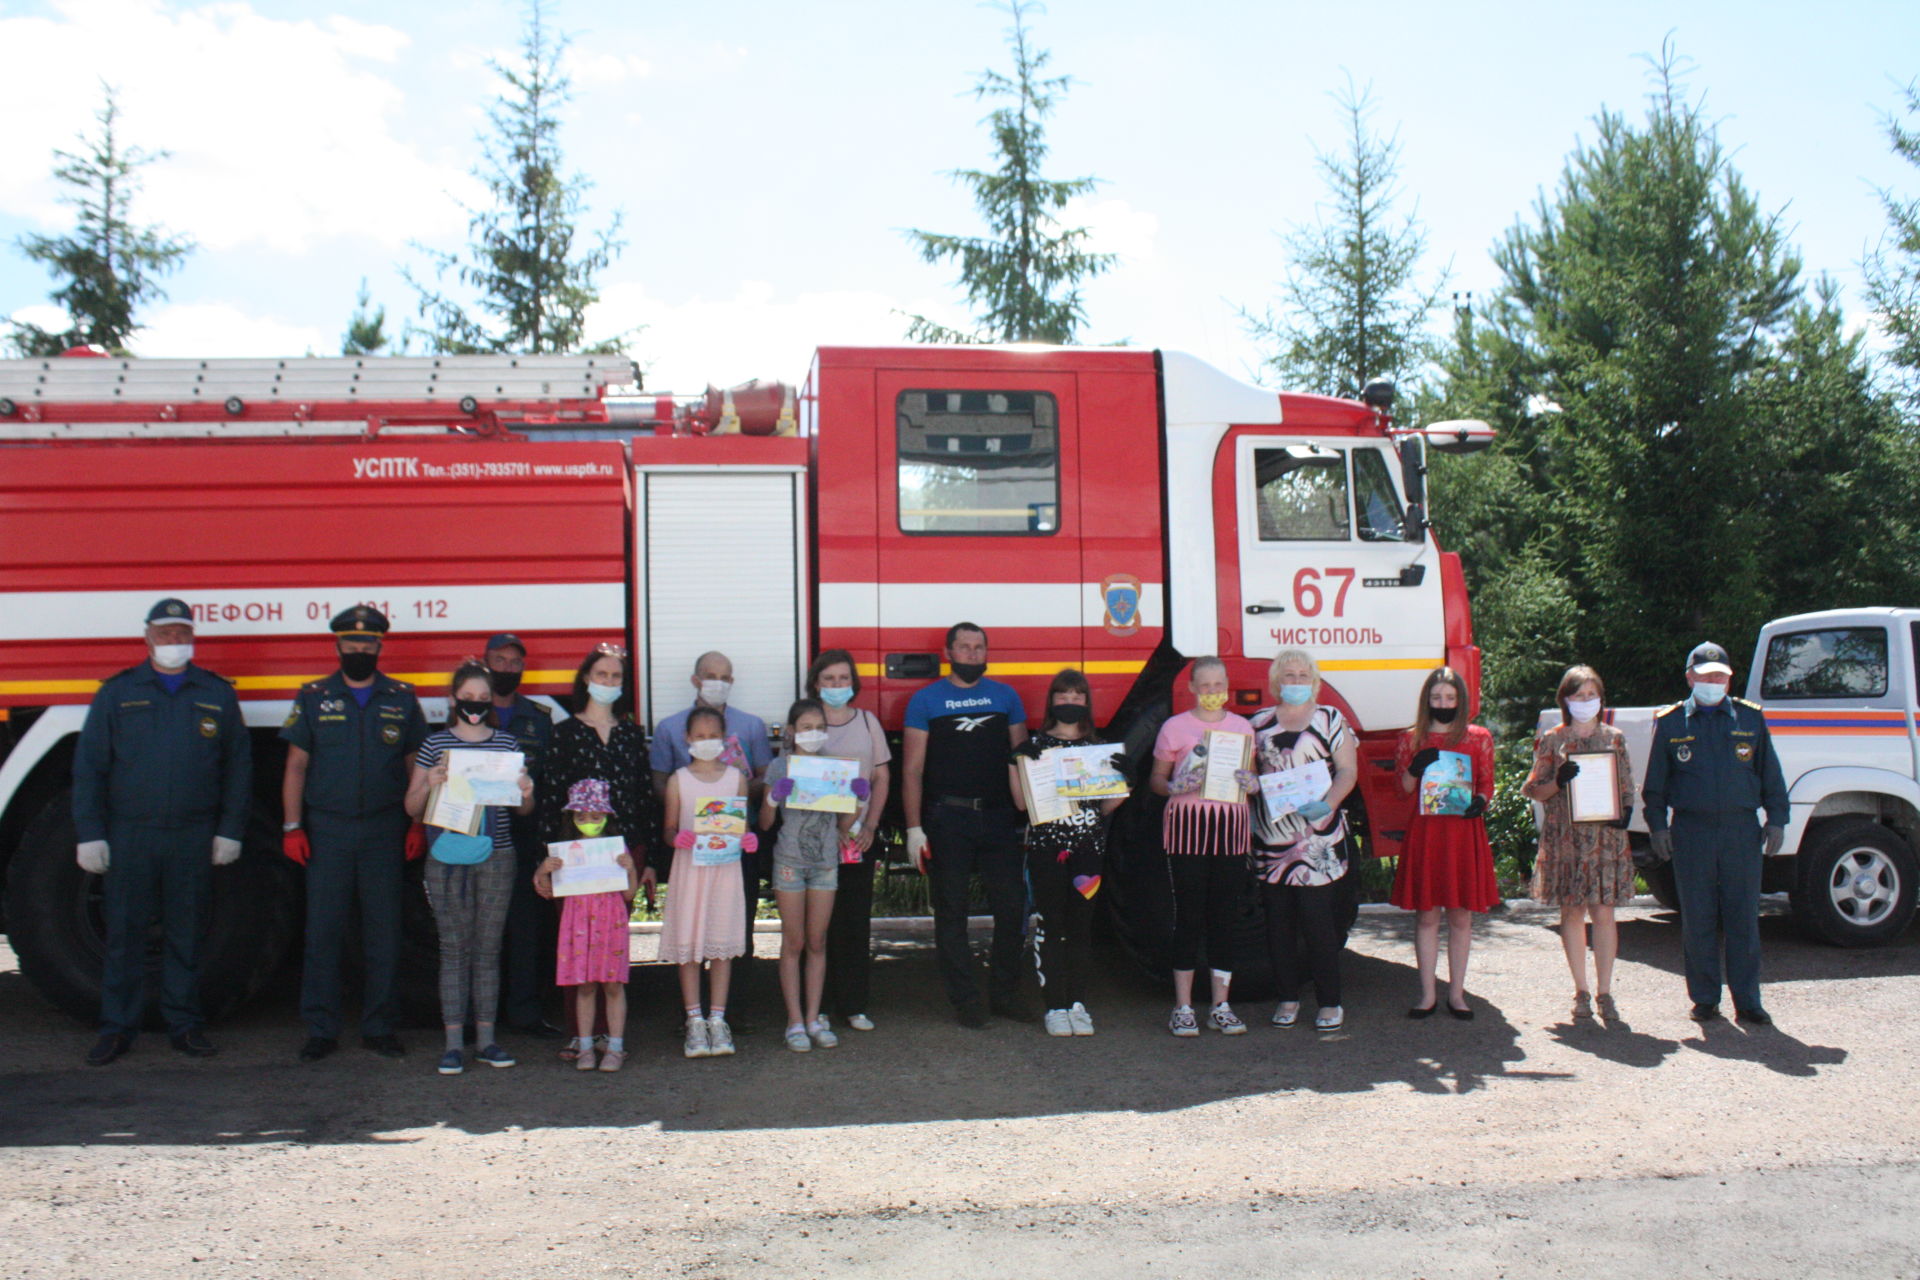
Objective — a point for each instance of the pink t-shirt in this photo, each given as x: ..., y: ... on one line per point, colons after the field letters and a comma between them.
x: 1179, y: 736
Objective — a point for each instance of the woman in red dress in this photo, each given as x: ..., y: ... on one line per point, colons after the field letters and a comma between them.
x: 1446, y: 864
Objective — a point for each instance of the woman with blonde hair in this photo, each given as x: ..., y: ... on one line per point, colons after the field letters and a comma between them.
x: 1583, y: 867
x: 1300, y: 854
x: 1446, y: 862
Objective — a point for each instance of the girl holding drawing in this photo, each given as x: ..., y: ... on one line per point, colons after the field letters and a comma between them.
x: 1300, y: 841
x: 1583, y: 866
x: 705, y: 921
x: 814, y: 828
x: 1446, y: 863
x: 1206, y: 843
x: 1063, y: 860
x: 853, y: 733
x: 593, y: 955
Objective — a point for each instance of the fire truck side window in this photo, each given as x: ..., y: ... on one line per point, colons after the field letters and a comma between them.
x: 979, y: 462
x: 1301, y: 494
x: 1843, y: 663
x: 1376, y: 505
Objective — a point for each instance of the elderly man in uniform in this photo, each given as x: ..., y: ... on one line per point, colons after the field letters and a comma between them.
x: 350, y: 738
x: 527, y: 948
x: 160, y: 790
x: 1713, y: 764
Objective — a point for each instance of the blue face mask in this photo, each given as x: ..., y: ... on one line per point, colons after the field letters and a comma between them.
x: 1709, y: 695
x: 1296, y: 695
x: 837, y: 697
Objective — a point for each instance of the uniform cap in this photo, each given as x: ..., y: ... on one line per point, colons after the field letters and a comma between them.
x: 589, y: 795
x: 362, y: 622
x: 506, y: 639
x: 171, y: 611
x: 1709, y: 659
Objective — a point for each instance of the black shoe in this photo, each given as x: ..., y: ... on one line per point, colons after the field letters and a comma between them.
x: 541, y: 1030
x: 1465, y: 1015
x: 972, y: 1015
x: 193, y: 1042
x: 1010, y: 1008
x: 317, y: 1047
x: 1417, y: 1012
x: 1704, y: 1012
x: 110, y: 1045
x: 387, y: 1046
x: 1754, y: 1017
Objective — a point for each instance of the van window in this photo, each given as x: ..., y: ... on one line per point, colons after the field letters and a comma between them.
x: 1300, y: 494
x: 1375, y: 503
x: 1845, y: 662
x: 978, y: 462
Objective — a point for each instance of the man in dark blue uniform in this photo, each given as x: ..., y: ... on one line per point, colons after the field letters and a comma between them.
x: 1713, y: 765
x: 160, y: 787
x: 350, y: 738
x: 527, y: 949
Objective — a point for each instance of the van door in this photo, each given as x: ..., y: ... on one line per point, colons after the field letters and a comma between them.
x: 1326, y: 564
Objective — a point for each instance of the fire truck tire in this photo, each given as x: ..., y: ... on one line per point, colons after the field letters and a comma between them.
x: 1855, y: 883
x: 58, y: 932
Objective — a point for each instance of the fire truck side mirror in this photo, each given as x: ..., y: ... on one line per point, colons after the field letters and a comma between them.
x: 1413, y: 478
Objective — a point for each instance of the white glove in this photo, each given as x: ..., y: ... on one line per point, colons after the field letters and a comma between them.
x: 225, y: 851
x: 916, y: 846
x: 92, y: 857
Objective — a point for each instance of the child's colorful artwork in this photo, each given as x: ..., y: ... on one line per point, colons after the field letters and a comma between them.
x: 715, y: 850
x: 590, y: 866
x: 1446, y: 788
x: 720, y: 815
x: 822, y: 783
x: 1087, y: 773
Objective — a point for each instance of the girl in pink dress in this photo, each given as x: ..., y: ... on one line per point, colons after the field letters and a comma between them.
x: 593, y: 957
x: 705, y: 920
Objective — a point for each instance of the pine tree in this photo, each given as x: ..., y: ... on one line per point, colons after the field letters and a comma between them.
x: 366, y: 333
x: 1893, y: 269
x: 1352, y: 307
x: 530, y: 281
x: 1023, y: 278
x: 109, y: 267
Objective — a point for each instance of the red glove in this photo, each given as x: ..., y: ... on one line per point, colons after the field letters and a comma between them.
x: 749, y: 843
x: 416, y: 842
x: 683, y: 839
x: 294, y: 844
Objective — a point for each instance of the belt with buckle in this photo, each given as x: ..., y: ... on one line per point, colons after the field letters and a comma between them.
x: 964, y: 802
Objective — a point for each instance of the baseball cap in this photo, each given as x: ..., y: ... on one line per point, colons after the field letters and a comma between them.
x: 506, y: 639
x: 1709, y: 659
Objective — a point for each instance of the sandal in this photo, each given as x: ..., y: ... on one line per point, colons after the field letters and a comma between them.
x: 1583, y: 1006
x: 1608, y: 1009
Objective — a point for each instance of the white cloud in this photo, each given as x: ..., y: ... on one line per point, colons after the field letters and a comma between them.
x: 282, y: 133
x: 1114, y: 226
x: 606, y: 68
x: 51, y: 318
x: 197, y: 329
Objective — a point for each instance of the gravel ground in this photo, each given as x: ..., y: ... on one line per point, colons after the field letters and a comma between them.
x: 1516, y: 1144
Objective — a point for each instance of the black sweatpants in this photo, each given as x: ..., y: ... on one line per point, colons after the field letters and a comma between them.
x: 1307, y: 914
x: 850, y: 941
x: 1063, y: 940
x: 1207, y: 891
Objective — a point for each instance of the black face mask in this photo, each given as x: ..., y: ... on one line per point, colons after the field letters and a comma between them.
x: 1069, y: 713
x: 359, y: 666
x: 1442, y: 715
x: 504, y: 682
x: 472, y: 712
x: 968, y: 672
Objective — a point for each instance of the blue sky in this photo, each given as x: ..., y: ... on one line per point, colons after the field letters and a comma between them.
x: 767, y: 156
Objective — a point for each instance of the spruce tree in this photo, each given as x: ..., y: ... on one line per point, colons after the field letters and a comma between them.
x: 1023, y: 278
x: 1893, y: 269
x: 366, y: 333
x: 109, y: 267
x: 530, y: 268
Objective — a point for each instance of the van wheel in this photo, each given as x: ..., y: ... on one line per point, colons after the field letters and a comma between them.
x: 57, y: 923
x: 1855, y: 883
x: 1660, y: 884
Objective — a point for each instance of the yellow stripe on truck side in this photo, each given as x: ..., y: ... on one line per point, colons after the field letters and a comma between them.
x: 267, y: 684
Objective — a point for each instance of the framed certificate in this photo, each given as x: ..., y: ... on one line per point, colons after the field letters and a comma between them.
x: 1228, y: 753
x: 1593, y: 794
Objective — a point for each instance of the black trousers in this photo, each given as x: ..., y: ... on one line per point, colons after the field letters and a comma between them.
x: 357, y: 862
x: 1062, y: 943
x: 528, y: 946
x: 1309, y: 915
x: 969, y: 842
x: 1207, y: 891
x: 850, y: 941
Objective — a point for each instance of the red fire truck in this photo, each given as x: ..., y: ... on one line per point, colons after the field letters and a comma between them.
x: 1116, y: 510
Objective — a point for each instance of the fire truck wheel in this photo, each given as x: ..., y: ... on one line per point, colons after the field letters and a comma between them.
x: 56, y: 925
x: 1855, y: 883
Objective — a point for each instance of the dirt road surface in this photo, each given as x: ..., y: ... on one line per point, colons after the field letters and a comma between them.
x: 1516, y: 1144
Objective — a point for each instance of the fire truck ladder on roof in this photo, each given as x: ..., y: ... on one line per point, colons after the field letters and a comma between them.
x: 77, y: 398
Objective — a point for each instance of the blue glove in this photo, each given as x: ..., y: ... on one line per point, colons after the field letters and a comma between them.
x: 1314, y: 810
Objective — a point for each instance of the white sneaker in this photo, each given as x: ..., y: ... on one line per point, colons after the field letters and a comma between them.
x: 1330, y: 1018
x: 1079, y: 1019
x: 1286, y: 1013
x: 1224, y: 1020
x: 860, y: 1022
x: 822, y: 1033
x: 1182, y: 1022
x: 797, y: 1039
x: 1058, y: 1023
x: 698, y: 1045
x: 719, y: 1038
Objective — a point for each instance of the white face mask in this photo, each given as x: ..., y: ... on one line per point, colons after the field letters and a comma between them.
x: 1583, y: 709
x: 604, y: 694
x: 811, y: 740
x: 706, y: 749
x: 714, y: 692
x: 172, y: 655
x: 1709, y: 695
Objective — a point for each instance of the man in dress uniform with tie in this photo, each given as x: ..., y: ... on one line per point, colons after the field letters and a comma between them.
x: 1713, y: 765
x: 350, y: 738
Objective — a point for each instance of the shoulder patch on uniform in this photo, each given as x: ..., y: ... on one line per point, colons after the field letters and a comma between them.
x: 401, y: 686
x: 316, y: 686
x: 1751, y: 706
x: 1668, y: 710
